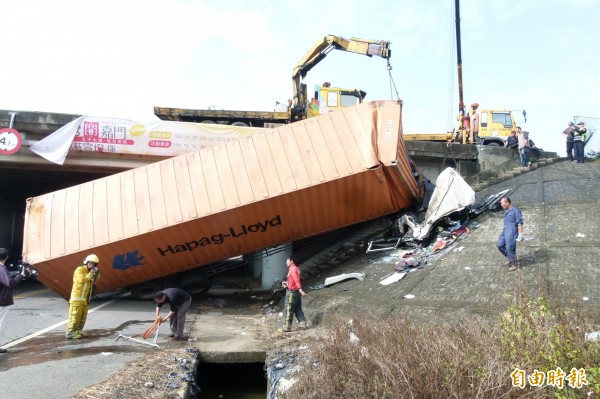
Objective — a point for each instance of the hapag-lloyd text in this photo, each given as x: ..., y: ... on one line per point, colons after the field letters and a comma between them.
x: 232, y: 232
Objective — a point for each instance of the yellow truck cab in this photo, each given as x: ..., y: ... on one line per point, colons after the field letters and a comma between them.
x: 328, y: 99
x: 495, y: 126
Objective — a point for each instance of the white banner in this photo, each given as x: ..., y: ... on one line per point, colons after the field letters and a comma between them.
x: 123, y: 136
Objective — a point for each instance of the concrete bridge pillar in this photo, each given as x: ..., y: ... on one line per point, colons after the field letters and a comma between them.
x: 273, y: 265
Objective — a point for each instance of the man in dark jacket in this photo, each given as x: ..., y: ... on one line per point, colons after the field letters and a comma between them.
x: 179, y: 302
x: 512, y: 141
x: 6, y: 285
x: 568, y: 133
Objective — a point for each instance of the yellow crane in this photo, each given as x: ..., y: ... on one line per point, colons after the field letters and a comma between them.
x: 300, y: 105
x: 326, y: 98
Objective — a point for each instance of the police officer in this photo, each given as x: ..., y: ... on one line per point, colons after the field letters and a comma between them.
x: 579, y: 135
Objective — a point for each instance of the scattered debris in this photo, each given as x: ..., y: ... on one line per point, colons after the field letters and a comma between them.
x: 491, y: 203
x: 408, y: 263
x: 384, y: 244
x: 580, y: 235
x: 343, y: 277
x: 409, y: 296
x: 154, y: 327
x: 353, y: 338
x: 218, y: 302
x: 404, y: 253
x: 593, y: 336
x: 585, y: 298
x: 467, y: 268
x: 392, y: 278
x: 439, y: 244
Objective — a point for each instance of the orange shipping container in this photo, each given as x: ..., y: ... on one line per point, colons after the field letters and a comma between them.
x: 282, y: 185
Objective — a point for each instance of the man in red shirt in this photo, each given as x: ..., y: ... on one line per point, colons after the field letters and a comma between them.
x: 293, y: 297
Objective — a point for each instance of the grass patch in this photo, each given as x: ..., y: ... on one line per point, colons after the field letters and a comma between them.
x: 468, y: 358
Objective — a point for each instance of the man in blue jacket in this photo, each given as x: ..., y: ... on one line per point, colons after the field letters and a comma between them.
x: 6, y: 285
x: 511, y: 233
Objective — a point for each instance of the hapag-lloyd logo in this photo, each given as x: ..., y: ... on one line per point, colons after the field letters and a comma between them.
x: 232, y: 232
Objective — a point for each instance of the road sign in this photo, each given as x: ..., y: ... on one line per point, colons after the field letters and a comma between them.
x: 10, y: 141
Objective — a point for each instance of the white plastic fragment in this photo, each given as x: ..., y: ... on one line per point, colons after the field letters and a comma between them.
x: 392, y: 278
x: 409, y: 296
x: 285, y: 384
x: 342, y: 277
x: 593, y: 336
x: 580, y: 235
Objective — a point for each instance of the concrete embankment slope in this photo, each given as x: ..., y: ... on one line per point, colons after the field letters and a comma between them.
x: 560, y: 204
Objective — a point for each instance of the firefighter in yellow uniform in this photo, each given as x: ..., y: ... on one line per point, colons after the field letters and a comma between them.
x: 84, y: 278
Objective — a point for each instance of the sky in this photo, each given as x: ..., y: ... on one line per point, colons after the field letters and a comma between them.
x: 120, y: 58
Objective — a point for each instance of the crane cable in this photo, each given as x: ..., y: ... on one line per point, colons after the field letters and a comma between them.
x: 451, y: 116
x: 392, y: 83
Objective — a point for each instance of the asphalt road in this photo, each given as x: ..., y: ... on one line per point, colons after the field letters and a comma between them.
x: 41, y: 363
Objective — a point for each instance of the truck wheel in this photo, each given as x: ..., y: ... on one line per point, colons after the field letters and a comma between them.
x: 239, y: 124
x: 207, y: 121
x: 493, y: 144
x: 145, y: 291
x: 196, y: 283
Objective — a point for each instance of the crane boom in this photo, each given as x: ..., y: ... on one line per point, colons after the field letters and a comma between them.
x: 461, y: 103
x: 319, y: 51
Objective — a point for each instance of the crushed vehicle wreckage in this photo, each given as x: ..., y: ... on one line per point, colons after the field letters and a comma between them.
x: 447, y: 217
x: 452, y: 204
x: 426, y: 234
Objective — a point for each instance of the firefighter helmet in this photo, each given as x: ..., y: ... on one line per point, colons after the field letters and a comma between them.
x: 91, y: 258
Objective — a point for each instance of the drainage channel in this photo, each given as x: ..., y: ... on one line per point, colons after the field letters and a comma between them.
x: 232, y: 378
x: 232, y: 381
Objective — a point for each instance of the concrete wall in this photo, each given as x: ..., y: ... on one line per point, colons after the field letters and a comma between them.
x: 474, y: 163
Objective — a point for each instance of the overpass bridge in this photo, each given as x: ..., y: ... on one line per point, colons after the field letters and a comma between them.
x: 24, y: 174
